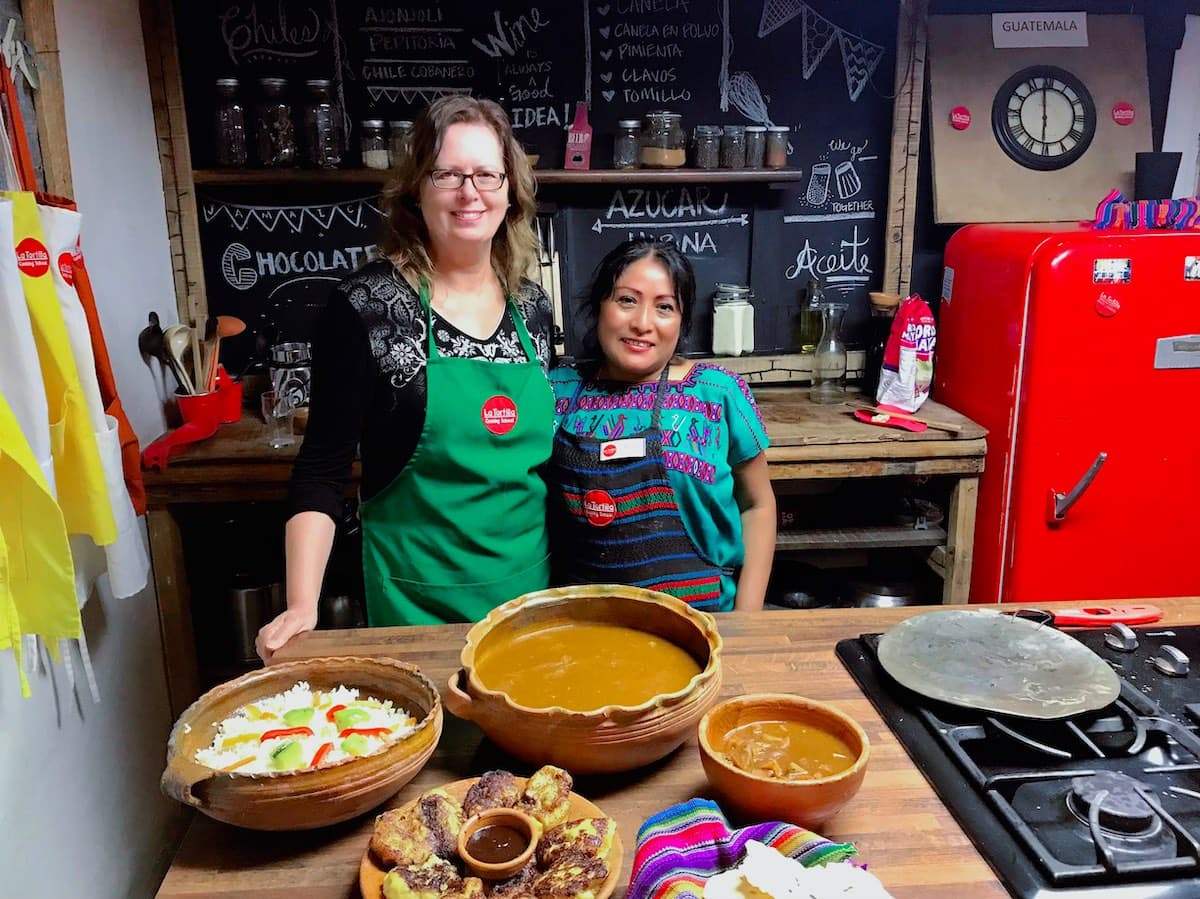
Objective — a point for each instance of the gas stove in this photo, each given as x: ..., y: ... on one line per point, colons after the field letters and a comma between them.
x: 1104, y: 805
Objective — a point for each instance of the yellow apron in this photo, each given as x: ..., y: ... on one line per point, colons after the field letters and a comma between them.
x: 37, y: 585
x: 79, y: 475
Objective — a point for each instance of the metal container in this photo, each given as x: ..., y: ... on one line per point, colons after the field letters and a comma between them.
x: 248, y: 609
x: 291, y: 372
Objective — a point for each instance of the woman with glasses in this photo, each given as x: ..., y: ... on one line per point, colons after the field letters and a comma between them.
x: 658, y: 476
x: 431, y: 362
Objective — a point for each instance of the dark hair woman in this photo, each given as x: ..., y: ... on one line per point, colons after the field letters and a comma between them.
x: 431, y: 363
x: 658, y: 477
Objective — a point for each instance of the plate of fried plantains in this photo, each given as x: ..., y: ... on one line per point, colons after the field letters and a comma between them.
x: 413, y: 850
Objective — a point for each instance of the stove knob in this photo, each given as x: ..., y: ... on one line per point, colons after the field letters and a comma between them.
x: 1121, y: 638
x: 1172, y: 662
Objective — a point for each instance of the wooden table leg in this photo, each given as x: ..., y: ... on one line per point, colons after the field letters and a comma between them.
x: 960, y: 540
x: 174, y: 609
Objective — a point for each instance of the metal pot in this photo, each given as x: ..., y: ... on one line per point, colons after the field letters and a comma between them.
x: 798, y: 585
x: 872, y: 592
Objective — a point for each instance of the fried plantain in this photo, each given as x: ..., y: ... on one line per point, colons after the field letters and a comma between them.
x: 494, y: 789
x: 432, y: 879
x: 519, y: 886
x: 574, y: 875
x: 442, y: 814
x: 472, y: 888
x: 586, y: 836
x: 401, y: 838
x: 547, y: 796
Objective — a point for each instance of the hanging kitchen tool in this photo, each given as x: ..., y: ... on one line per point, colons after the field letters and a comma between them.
x: 997, y: 663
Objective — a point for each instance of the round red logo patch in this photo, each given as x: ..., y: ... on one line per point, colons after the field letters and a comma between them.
x: 608, y: 451
x: 32, y: 258
x: 1107, y: 305
x: 599, y: 508
x: 65, y: 269
x: 1123, y: 113
x: 960, y: 118
x: 499, y: 414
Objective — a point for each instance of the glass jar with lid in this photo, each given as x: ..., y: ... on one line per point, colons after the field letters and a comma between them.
x: 626, y: 144
x: 663, y: 140
x: 777, y: 147
x: 733, y: 320
x: 373, y: 144
x: 229, y: 126
x: 399, y: 141
x: 707, y: 143
x: 733, y: 147
x: 275, y: 136
x: 323, y: 142
x: 756, y: 146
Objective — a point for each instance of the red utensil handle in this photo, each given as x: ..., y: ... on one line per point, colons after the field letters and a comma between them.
x: 1091, y: 616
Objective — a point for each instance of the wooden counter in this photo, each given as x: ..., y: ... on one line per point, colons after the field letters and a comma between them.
x: 897, y: 822
x: 808, y: 441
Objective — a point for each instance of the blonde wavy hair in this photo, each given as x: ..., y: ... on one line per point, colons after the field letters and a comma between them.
x: 405, y: 237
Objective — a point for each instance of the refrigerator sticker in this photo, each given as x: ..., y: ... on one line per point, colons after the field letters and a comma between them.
x: 1182, y: 351
x: 1110, y: 271
x: 948, y: 283
x: 1191, y: 268
x: 1107, y: 305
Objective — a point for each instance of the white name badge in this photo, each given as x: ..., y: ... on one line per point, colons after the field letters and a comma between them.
x: 629, y: 448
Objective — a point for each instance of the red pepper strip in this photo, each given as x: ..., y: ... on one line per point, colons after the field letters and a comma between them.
x: 333, y: 711
x: 366, y: 731
x: 286, y: 732
x: 320, y: 754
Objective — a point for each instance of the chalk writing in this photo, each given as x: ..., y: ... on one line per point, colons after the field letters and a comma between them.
x: 509, y: 37
x: 849, y: 262
x: 264, y: 32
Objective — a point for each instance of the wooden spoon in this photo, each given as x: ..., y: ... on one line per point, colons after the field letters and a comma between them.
x: 177, y: 339
x: 226, y: 326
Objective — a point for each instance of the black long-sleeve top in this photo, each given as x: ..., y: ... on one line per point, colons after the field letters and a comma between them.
x: 368, y: 389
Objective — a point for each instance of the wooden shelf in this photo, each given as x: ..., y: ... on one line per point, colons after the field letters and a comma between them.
x: 544, y: 176
x: 886, y: 537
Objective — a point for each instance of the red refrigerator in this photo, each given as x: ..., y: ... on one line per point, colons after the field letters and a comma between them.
x: 1079, y: 351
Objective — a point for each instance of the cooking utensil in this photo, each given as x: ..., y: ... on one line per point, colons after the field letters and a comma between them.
x: 222, y: 326
x: 997, y: 663
x: 1093, y: 616
x: 177, y: 339
x: 873, y: 415
x: 150, y: 340
x: 875, y: 592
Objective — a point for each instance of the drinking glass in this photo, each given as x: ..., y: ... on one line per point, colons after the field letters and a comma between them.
x: 278, y: 411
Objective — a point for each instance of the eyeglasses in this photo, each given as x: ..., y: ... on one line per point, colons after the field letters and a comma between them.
x: 450, y: 179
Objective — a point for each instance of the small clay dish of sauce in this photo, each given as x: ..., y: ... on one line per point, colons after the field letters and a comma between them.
x: 497, y: 843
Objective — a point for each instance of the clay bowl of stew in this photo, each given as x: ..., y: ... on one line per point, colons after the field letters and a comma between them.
x: 782, y: 757
x: 312, y: 796
x: 595, y: 679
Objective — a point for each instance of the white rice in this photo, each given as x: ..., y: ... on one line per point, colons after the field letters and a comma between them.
x: 266, y: 714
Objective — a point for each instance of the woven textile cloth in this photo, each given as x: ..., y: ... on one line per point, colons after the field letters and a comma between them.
x: 679, y: 848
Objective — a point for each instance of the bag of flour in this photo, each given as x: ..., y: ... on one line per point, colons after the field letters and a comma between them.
x: 908, y: 359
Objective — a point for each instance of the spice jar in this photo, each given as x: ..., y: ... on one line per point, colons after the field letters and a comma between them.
x: 399, y: 141
x: 756, y: 146
x: 323, y: 144
x: 373, y: 145
x: 275, y: 137
x: 733, y: 147
x: 707, y: 142
x: 733, y: 320
x: 777, y: 147
x: 626, y: 144
x: 663, y: 140
x: 229, y: 130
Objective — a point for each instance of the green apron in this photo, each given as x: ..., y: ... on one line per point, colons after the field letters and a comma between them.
x: 462, y: 528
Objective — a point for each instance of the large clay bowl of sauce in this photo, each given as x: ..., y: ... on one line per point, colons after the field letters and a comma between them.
x: 302, y: 799
x: 782, y: 757
x: 594, y: 679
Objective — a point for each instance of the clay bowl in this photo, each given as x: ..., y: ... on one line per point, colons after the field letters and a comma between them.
x: 608, y: 739
x: 528, y: 829
x: 761, y: 798
x: 303, y: 799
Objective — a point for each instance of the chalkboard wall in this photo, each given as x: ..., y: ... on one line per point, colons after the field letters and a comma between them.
x: 825, y: 68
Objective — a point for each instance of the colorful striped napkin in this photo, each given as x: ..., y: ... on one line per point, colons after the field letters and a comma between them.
x: 679, y: 848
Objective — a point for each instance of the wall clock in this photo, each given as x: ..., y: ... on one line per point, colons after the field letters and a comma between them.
x: 1044, y: 118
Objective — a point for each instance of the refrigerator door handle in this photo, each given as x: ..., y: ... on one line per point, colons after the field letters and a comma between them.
x: 1059, y: 503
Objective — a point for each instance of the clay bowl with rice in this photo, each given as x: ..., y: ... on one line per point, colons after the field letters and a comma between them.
x: 358, y: 752
x: 595, y: 679
x: 782, y: 757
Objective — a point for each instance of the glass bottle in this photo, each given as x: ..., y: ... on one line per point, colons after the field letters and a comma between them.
x: 707, y: 141
x: 756, y: 146
x: 626, y: 144
x: 323, y: 143
x: 230, y: 125
x: 663, y: 140
x: 880, y: 329
x: 777, y: 147
x: 373, y: 144
x: 733, y: 320
x: 399, y: 141
x: 829, y: 357
x: 733, y: 147
x: 809, y: 331
x: 275, y: 136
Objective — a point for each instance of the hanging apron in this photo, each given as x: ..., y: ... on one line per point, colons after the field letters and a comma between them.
x: 462, y: 528
x: 614, y: 515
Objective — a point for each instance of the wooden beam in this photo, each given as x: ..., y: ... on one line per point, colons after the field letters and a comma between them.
x: 42, y: 35
x: 906, y: 145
